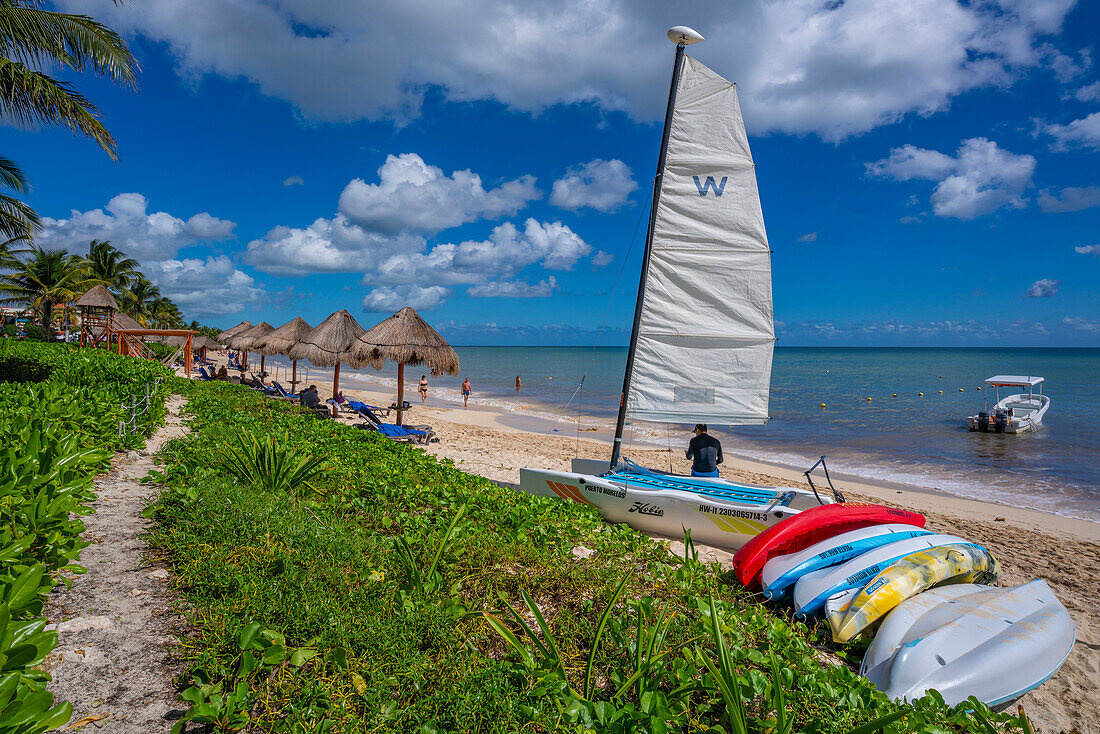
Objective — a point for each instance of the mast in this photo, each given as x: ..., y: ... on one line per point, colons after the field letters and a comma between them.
x: 681, y: 36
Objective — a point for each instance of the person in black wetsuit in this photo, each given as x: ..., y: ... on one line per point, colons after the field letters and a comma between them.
x: 705, y: 452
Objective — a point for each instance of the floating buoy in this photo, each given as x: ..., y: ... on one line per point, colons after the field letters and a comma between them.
x: 960, y: 389
x: 920, y: 395
x: 895, y: 395
x: 941, y: 392
x: 979, y: 389
x: 868, y: 400
x: 941, y: 377
x: 823, y: 405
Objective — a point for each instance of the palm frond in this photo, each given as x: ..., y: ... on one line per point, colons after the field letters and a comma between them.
x: 12, y: 176
x: 17, y: 220
x: 28, y: 97
x: 39, y: 38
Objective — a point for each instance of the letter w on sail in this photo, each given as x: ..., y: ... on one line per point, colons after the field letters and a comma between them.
x: 710, y: 184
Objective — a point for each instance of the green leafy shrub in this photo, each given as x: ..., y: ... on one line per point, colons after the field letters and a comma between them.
x: 439, y: 601
x: 59, y: 421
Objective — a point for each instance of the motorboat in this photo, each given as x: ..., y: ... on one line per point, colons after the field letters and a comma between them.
x: 1015, y: 413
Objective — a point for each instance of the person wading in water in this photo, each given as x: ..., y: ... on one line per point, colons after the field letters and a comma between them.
x: 465, y: 392
x: 423, y: 389
x: 705, y: 452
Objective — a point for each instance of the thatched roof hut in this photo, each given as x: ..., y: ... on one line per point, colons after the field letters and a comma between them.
x: 282, y: 339
x: 98, y: 297
x: 244, y: 325
x: 122, y: 322
x: 328, y: 344
x: 244, y: 340
x: 405, y: 338
x: 202, y: 341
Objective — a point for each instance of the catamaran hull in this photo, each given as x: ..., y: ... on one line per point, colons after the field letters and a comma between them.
x: 668, y: 511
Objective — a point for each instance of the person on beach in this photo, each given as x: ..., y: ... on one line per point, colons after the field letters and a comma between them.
x: 222, y: 374
x: 466, y: 392
x: 423, y: 389
x: 705, y: 452
x: 309, y: 397
x: 519, y: 383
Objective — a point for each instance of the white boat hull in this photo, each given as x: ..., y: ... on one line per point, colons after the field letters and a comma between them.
x: 968, y: 640
x: 667, y: 504
x: 1026, y: 415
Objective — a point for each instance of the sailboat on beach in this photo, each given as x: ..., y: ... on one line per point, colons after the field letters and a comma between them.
x: 702, y: 340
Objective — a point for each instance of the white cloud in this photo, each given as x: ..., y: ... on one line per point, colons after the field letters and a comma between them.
x: 126, y: 223
x: 209, y: 287
x: 552, y: 245
x: 1084, y: 132
x: 1043, y: 288
x: 294, y: 181
x: 1088, y: 250
x: 1090, y: 93
x: 980, y: 179
x: 514, y: 289
x: 602, y: 259
x: 1070, y: 199
x: 394, y: 298
x: 809, y: 237
x: 1082, y: 324
x: 327, y: 246
x: 599, y: 184
x: 200, y: 286
x: 414, y: 196
x: 833, y: 68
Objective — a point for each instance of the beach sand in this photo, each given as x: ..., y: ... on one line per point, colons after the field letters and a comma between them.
x: 1029, y: 544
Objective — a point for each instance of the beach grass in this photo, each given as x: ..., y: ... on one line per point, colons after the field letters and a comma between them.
x: 393, y: 592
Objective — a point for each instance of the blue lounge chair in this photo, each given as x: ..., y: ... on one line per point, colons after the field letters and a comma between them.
x: 204, y: 375
x: 420, y: 434
x: 280, y: 392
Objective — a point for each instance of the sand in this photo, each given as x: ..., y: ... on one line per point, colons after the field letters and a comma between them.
x: 1030, y: 544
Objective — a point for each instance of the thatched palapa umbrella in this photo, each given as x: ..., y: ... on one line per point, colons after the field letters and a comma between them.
x: 405, y: 338
x: 282, y: 340
x: 225, y: 336
x: 328, y: 344
x: 246, y: 340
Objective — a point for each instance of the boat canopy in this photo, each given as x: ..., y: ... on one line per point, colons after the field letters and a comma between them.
x: 1013, y: 381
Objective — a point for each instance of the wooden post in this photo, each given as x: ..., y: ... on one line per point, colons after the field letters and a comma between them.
x: 335, y: 388
x: 262, y: 358
x: 187, y: 356
x: 400, y: 391
x: 244, y: 360
x: 294, y: 376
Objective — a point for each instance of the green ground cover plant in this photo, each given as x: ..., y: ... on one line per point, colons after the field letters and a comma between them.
x: 59, y: 428
x: 401, y: 594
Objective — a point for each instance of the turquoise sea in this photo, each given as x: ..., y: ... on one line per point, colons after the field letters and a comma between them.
x: 908, y: 439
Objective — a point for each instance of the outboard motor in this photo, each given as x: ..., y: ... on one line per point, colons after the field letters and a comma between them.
x: 983, y: 422
x: 1000, y: 419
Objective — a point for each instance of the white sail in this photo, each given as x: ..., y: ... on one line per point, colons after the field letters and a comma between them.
x: 705, y: 338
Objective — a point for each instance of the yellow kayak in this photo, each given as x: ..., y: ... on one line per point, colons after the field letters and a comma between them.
x: 959, y: 564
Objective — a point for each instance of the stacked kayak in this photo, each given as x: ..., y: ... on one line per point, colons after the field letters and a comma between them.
x: 940, y: 624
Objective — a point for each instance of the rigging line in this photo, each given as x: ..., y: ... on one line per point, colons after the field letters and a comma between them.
x: 668, y: 428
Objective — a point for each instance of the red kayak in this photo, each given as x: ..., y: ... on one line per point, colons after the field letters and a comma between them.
x: 808, y: 527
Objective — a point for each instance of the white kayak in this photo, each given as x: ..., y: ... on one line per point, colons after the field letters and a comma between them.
x: 813, y: 589
x: 995, y: 644
x: 781, y: 572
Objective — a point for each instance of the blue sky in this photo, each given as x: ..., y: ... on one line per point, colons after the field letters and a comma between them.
x: 928, y: 170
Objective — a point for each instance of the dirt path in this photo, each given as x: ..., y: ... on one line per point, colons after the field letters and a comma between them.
x: 117, y: 625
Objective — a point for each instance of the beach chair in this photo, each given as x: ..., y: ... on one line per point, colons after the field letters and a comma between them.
x: 204, y: 375
x: 281, y: 393
x: 419, y: 433
x: 395, y: 432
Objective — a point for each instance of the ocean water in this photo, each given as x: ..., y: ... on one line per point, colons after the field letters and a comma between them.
x: 908, y: 439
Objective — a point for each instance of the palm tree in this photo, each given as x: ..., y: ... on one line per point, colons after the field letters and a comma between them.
x: 137, y: 298
x: 43, y: 280
x: 107, y: 263
x: 11, y: 250
x: 32, y: 39
x: 17, y: 220
x: 165, y: 313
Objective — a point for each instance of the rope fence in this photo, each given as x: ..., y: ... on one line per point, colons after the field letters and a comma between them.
x: 138, y: 406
